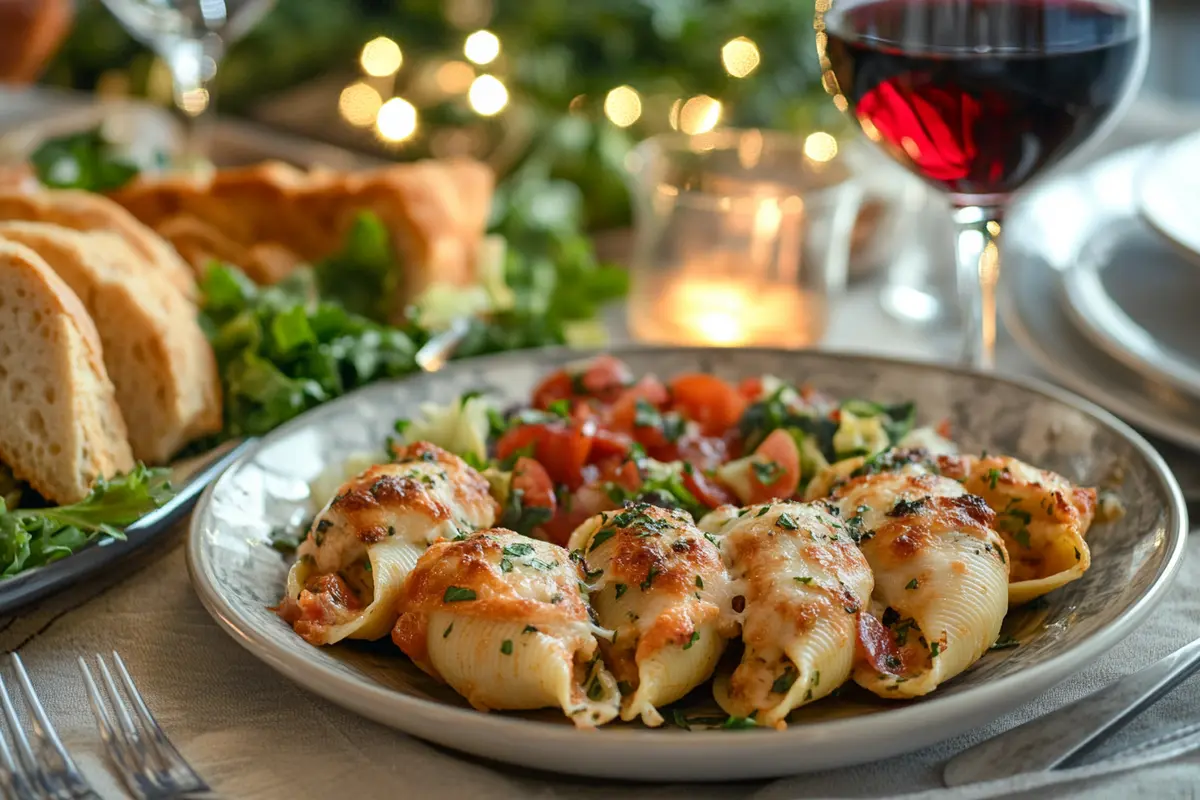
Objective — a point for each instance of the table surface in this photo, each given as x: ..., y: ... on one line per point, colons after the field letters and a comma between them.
x: 253, y: 734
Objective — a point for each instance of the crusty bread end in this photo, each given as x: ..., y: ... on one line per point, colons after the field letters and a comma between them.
x: 60, y: 426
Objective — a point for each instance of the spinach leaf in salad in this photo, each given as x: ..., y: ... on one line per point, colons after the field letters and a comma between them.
x: 33, y: 537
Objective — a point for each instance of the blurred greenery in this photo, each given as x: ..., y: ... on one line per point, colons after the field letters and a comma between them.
x: 554, y: 51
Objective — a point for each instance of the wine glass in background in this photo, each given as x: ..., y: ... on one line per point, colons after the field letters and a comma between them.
x: 978, y: 97
x: 191, y: 37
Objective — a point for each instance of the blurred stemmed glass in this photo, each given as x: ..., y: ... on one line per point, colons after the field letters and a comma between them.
x: 191, y: 37
x: 979, y: 97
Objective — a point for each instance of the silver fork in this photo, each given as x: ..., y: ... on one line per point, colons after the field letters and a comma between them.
x: 149, y: 764
x: 40, y: 769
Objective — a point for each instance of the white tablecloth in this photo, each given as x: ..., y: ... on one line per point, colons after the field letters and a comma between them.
x: 253, y: 734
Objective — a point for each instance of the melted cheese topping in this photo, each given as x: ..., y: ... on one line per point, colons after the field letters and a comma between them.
x: 351, y: 566
x: 804, y: 583
x: 1042, y: 517
x: 504, y: 620
x: 661, y: 587
x: 941, y: 579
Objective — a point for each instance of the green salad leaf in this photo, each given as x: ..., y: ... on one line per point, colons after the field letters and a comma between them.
x: 361, y: 277
x: 84, y: 160
x: 282, y: 351
x: 33, y: 537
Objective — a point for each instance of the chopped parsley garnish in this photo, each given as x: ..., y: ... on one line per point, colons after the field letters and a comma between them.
x: 712, y: 539
x: 621, y: 589
x: 592, y: 575
x: 560, y: 408
x: 505, y: 565
x: 1005, y: 642
x: 762, y: 511
x: 457, y: 594
x: 695, y: 637
x: 449, y: 628
x: 784, y: 682
x: 911, y: 584
x: 651, y: 574
x: 805, y: 580
x: 530, y: 629
x: 786, y: 522
x: 699, y: 582
x: 506, y: 647
x: 519, y: 549
x: 993, y: 476
x: 905, y: 507
x: 602, y: 536
x: 767, y: 472
x: 934, y: 649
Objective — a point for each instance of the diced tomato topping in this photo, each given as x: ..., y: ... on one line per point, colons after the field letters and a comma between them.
x: 604, y: 377
x: 705, y: 489
x: 623, y: 412
x: 609, y: 444
x: 702, y: 452
x: 561, y: 448
x: 708, y: 400
x: 776, y: 474
x: 531, y: 479
x: 586, y: 503
x: 556, y: 386
x: 751, y: 389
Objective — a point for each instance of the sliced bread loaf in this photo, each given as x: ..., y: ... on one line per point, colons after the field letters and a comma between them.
x: 157, y: 356
x: 60, y: 426
x: 84, y: 211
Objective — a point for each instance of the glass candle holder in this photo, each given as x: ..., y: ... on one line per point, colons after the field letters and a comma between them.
x: 741, y: 237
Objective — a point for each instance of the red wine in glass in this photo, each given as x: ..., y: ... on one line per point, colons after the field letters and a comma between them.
x: 980, y: 96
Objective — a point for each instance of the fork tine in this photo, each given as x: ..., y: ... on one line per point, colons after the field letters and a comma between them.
x: 43, y: 727
x: 20, y: 742
x: 13, y: 777
x: 124, y: 722
x: 165, y: 750
x: 97, y: 704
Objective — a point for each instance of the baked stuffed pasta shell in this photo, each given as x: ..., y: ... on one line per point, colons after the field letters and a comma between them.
x: 1042, y: 516
x: 804, y: 583
x: 352, y: 565
x: 503, y: 620
x: 660, y: 586
x: 941, y: 579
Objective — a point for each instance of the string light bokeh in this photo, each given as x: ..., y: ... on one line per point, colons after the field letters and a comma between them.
x: 478, y: 80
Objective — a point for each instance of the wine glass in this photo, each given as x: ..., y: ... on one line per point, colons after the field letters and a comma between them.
x: 978, y: 97
x: 191, y: 37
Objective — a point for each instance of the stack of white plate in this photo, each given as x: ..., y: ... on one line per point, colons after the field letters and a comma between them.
x: 1103, y: 284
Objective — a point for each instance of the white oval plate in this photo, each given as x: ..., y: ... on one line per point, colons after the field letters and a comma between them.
x: 1169, y: 194
x: 238, y: 575
x: 1047, y: 234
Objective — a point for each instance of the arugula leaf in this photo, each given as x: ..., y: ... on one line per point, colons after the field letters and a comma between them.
x: 33, y: 537
x: 84, y: 160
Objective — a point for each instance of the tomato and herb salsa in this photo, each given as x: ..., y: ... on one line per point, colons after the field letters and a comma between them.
x: 595, y: 437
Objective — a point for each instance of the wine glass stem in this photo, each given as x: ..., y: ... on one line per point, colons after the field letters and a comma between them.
x: 976, y: 232
x: 193, y: 65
